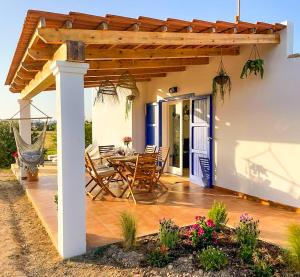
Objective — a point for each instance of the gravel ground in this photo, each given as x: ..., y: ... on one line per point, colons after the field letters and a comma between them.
x: 28, y: 251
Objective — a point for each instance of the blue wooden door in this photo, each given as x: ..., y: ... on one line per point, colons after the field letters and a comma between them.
x: 153, y: 124
x: 201, y: 141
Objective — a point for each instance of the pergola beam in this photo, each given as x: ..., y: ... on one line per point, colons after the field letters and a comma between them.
x: 115, y: 64
x: 116, y: 77
x: 68, y: 51
x: 94, y: 53
x: 58, y: 36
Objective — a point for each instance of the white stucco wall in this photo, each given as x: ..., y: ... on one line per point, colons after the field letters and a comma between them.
x: 257, y: 130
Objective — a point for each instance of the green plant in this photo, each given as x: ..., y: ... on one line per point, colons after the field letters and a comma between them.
x: 212, y: 259
x: 88, y: 133
x: 294, y: 243
x: 247, y: 231
x: 202, y: 233
x: 168, y: 233
x: 253, y: 65
x: 218, y: 214
x: 246, y: 253
x: 129, y: 229
x: 7, y: 145
x: 158, y: 257
x: 262, y: 264
x: 128, y: 104
x: 221, y: 83
x: 56, y: 199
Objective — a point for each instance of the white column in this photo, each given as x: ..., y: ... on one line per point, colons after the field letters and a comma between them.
x: 24, y: 126
x: 70, y: 146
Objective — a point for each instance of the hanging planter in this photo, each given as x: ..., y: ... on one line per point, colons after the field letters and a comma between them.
x: 106, y: 88
x: 127, y: 81
x: 221, y: 83
x: 254, y: 64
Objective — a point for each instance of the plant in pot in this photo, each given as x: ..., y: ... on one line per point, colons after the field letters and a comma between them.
x: 221, y: 83
x: 32, y: 173
x: 253, y: 65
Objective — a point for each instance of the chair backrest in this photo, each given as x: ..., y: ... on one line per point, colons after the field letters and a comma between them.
x: 205, y: 168
x: 89, y: 165
x: 145, y: 166
x: 163, y: 154
x: 106, y: 148
x: 150, y: 149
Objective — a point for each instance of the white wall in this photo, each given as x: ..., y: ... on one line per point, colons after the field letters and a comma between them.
x: 257, y: 130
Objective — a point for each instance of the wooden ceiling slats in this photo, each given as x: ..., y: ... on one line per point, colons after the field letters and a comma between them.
x: 118, y: 23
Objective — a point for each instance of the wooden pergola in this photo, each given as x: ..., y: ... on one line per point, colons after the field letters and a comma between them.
x: 70, y: 52
x: 147, y: 47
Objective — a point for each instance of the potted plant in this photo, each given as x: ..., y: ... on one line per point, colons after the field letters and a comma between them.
x: 253, y: 65
x: 127, y: 140
x: 16, y: 157
x: 32, y: 174
x: 128, y: 105
x: 221, y: 83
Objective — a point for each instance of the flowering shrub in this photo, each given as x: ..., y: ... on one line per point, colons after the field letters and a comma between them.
x: 247, y: 231
x: 168, y: 233
x: 203, y: 232
x: 212, y: 259
x: 127, y: 140
x: 158, y: 257
x: 15, y: 154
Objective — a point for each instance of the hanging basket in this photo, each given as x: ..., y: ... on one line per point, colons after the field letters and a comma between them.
x: 221, y: 83
x: 253, y: 65
x: 127, y: 81
x: 106, y: 88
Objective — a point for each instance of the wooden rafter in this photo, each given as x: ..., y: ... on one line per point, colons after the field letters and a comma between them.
x: 58, y: 36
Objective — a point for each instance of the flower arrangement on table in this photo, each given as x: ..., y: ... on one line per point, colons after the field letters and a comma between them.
x: 203, y: 233
x: 127, y: 140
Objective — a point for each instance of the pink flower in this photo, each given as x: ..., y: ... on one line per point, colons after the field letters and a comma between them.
x: 200, y: 231
x: 210, y: 223
x: 195, y: 226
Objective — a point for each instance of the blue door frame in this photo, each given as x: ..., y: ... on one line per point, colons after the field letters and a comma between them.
x: 153, y: 124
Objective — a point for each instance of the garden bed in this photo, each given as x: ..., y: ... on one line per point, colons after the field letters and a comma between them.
x: 182, y: 260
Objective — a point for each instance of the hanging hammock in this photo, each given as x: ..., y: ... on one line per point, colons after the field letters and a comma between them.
x: 30, y: 155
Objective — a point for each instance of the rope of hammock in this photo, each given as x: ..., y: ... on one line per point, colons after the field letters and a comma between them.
x: 30, y: 155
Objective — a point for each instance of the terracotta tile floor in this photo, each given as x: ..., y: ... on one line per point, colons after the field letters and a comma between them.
x: 182, y: 202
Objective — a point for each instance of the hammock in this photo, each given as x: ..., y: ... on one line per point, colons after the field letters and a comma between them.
x: 30, y: 155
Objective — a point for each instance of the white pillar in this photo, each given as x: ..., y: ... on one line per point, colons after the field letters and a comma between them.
x: 70, y: 146
x: 24, y: 126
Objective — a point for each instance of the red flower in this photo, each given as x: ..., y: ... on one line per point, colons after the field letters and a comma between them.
x: 200, y: 231
x: 195, y: 226
x: 15, y: 154
x: 127, y: 139
x: 210, y: 223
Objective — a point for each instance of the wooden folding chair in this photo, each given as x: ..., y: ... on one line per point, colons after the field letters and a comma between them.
x: 144, y: 173
x: 104, y: 149
x: 150, y: 149
x: 101, y: 176
x: 163, y: 154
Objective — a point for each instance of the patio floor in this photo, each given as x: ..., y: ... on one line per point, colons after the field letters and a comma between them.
x: 182, y: 202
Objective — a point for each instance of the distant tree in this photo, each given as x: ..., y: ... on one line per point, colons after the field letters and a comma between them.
x: 88, y: 133
x: 7, y: 145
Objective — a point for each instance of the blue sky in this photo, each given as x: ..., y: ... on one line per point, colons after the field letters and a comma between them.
x: 14, y: 11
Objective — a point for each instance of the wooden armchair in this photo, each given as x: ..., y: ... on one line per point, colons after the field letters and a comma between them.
x: 101, y: 176
x: 163, y: 154
x: 144, y: 173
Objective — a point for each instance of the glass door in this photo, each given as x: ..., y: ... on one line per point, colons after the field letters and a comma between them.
x: 175, y: 130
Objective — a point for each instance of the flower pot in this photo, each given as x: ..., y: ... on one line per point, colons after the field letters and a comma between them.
x: 221, y: 79
x: 32, y: 177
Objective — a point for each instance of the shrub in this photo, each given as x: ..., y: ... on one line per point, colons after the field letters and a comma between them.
x: 7, y: 145
x: 129, y: 228
x: 168, y: 233
x: 158, y: 257
x: 294, y: 243
x: 262, y: 264
x: 218, y: 214
x: 247, y: 231
x: 212, y: 259
x: 246, y: 253
x: 202, y: 233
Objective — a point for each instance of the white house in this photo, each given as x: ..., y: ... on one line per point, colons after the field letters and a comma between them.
x: 251, y: 141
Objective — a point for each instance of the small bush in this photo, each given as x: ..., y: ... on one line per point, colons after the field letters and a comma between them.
x: 262, y: 264
x: 168, y: 233
x: 294, y: 243
x: 247, y: 231
x: 158, y: 257
x: 129, y: 229
x: 218, y: 214
x: 246, y: 253
x: 202, y: 233
x: 7, y: 145
x: 212, y: 259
